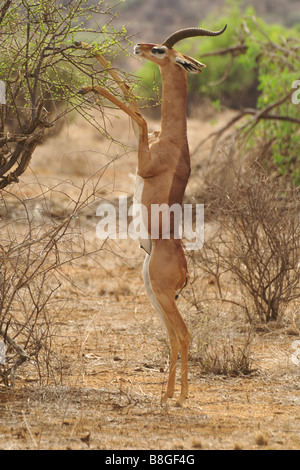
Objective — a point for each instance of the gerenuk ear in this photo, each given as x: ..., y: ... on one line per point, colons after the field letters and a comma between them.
x: 189, y: 64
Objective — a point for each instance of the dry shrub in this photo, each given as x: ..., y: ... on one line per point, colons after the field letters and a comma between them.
x: 36, y: 252
x: 219, y: 347
x: 252, y: 238
x: 248, y: 268
x: 221, y: 343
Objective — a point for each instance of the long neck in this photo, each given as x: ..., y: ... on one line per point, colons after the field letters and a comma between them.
x: 173, y: 109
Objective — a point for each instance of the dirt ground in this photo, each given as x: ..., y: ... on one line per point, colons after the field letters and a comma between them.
x: 115, y: 356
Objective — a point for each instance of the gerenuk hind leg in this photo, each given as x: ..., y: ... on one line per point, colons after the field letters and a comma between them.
x: 166, y: 274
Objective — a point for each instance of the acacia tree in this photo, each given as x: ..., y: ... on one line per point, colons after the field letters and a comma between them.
x: 41, y: 70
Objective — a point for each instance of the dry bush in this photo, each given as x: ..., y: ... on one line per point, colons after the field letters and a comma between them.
x: 219, y: 346
x: 248, y: 268
x: 36, y: 252
x: 221, y: 343
x: 252, y: 238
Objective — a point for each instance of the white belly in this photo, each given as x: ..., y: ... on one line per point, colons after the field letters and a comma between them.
x: 137, y: 199
x: 150, y: 292
x: 139, y: 186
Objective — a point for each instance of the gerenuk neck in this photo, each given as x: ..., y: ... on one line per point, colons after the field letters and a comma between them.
x: 173, y: 108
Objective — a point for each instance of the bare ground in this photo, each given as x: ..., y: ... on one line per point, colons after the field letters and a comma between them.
x: 111, y: 349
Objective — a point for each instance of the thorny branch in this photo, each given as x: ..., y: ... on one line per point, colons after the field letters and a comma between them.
x: 42, y: 71
x: 257, y: 114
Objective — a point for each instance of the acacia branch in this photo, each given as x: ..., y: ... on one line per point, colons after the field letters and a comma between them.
x: 41, y: 69
x: 276, y: 117
x: 257, y: 114
x: 233, y: 50
x: 126, y: 90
